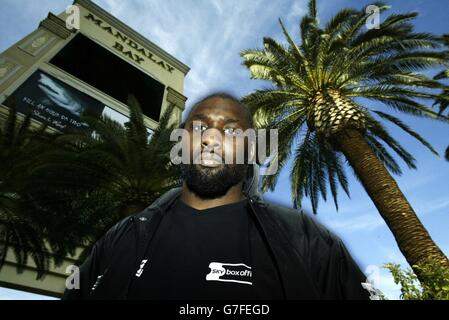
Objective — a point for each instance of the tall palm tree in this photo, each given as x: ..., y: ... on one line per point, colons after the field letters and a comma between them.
x: 443, y: 99
x: 313, y: 105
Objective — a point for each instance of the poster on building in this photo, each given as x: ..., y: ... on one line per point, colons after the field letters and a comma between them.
x: 54, y: 102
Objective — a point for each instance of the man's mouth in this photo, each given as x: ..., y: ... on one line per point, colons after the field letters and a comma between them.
x: 210, y: 160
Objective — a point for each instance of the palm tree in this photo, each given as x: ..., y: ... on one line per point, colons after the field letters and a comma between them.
x: 443, y: 99
x: 313, y: 105
x: 60, y: 191
x: 21, y: 229
x: 99, y: 176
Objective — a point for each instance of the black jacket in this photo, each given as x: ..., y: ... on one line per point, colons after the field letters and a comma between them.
x: 311, y: 262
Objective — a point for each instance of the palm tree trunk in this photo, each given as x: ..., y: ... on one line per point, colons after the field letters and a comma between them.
x: 412, y: 238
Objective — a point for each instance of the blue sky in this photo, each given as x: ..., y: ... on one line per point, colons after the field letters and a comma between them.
x: 208, y: 36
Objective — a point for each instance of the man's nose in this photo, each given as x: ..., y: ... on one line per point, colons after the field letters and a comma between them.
x: 211, y: 140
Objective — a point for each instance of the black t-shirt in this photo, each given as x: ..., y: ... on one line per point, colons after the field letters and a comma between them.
x: 205, y: 254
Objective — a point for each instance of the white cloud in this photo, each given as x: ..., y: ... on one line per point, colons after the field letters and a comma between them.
x: 206, y: 35
x: 381, y: 279
x: 218, y: 5
x: 364, y: 222
x: 20, y: 17
x: 394, y: 256
x: 434, y: 205
x: 297, y: 9
x: 389, y: 288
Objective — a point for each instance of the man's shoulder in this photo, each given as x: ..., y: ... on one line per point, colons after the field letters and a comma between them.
x: 338, y: 276
x: 113, y: 234
x: 300, y: 225
x: 141, y: 216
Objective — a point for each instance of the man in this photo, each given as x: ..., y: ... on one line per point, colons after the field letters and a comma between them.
x: 215, y: 238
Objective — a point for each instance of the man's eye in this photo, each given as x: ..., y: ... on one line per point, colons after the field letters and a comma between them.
x: 230, y: 131
x: 199, y: 127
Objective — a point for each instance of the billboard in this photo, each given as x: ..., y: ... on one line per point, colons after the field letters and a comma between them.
x: 54, y: 102
x: 104, y: 70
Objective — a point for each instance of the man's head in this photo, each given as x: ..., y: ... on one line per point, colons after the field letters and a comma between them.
x: 215, y: 120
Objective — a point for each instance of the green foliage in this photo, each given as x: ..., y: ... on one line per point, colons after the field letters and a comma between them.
x: 21, y: 227
x: 346, y: 59
x: 443, y: 99
x: 99, y: 177
x: 433, y: 283
x: 62, y: 190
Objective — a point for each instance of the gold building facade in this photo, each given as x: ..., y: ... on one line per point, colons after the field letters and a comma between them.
x: 58, y: 72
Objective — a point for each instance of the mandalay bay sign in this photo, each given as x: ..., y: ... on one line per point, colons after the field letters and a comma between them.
x: 127, y: 46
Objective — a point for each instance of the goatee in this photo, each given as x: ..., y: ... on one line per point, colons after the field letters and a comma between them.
x: 212, y: 183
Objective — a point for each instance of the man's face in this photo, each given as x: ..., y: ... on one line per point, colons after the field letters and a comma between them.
x: 214, y: 123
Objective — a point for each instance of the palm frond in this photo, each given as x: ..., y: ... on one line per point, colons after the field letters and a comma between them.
x: 407, y: 129
x: 321, y: 75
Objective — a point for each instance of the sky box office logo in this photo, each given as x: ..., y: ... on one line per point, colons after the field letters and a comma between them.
x: 230, y: 272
